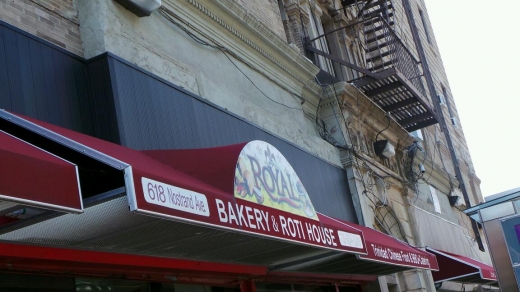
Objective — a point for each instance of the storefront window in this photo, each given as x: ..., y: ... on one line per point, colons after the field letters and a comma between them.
x: 35, y: 283
x: 110, y: 285
x: 121, y: 285
x: 277, y: 287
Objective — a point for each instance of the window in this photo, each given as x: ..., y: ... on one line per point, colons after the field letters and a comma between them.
x: 425, y: 27
x: 285, y: 22
x: 435, y: 199
x: 314, y: 23
x: 315, y: 30
x: 380, y: 190
x: 453, y: 119
x: 446, y: 99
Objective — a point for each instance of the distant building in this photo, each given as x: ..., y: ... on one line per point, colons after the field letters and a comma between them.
x: 501, y: 223
x: 210, y: 106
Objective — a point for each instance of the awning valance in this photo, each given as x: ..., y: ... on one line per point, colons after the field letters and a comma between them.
x: 34, y: 177
x: 458, y: 268
x: 386, y: 249
x: 239, y: 204
x: 385, y: 255
x: 217, y: 167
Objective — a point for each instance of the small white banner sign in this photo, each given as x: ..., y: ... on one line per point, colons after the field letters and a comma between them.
x: 350, y: 239
x: 180, y: 199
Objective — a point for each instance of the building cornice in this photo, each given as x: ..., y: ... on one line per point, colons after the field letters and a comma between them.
x: 366, y: 114
x: 257, y: 45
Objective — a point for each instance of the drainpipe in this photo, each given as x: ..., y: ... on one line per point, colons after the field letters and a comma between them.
x: 440, y: 115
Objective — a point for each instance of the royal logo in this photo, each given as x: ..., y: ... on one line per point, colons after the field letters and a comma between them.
x: 265, y: 177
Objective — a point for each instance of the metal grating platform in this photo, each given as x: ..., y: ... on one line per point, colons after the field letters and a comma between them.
x: 389, y: 75
x: 396, y: 95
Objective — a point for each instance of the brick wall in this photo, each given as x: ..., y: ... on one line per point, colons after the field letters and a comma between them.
x: 267, y: 12
x: 53, y: 20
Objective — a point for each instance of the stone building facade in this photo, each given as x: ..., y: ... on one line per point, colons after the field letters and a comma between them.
x: 251, y: 59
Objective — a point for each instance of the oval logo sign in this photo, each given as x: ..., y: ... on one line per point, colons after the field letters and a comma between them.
x: 265, y: 177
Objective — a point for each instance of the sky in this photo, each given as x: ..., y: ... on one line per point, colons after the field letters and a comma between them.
x: 479, y: 43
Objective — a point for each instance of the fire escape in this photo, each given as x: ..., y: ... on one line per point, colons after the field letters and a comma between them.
x: 384, y: 70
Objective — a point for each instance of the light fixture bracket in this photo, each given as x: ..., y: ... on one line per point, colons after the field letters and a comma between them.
x: 384, y: 149
x: 453, y: 200
x: 140, y: 8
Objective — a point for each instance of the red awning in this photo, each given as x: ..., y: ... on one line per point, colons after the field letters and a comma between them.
x: 458, y: 268
x: 385, y: 255
x: 33, y: 177
x: 217, y: 166
x: 159, y: 189
x: 384, y: 248
x: 218, y: 213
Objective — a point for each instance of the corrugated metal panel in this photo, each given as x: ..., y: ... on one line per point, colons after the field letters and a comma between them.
x: 154, y: 114
x: 4, y: 75
x: 13, y: 69
x: 39, y: 80
x: 439, y: 233
x: 99, y: 103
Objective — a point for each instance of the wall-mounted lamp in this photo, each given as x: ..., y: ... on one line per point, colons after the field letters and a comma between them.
x: 384, y: 149
x: 453, y: 200
x: 140, y: 8
x: 346, y: 3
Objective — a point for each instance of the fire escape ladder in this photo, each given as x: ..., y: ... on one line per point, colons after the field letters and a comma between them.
x: 378, y: 55
x: 387, y: 72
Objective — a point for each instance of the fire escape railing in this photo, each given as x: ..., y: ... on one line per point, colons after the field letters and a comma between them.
x: 369, y: 54
x: 401, y: 58
x: 381, y: 49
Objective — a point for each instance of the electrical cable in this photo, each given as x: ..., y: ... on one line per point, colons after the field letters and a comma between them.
x: 247, y: 77
x: 432, y: 154
x: 223, y: 49
x: 461, y: 227
x: 431, y: 140
x: 426, y: 181
x: 387, y: 125
x: 442, y: 161
x: 367, y: 188
x: 167, y: 14
x: 385, y: 195
x: 468, y: 236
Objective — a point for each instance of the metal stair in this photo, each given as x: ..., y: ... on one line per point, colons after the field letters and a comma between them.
x: 378, y: 55
x: 390, y: 74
